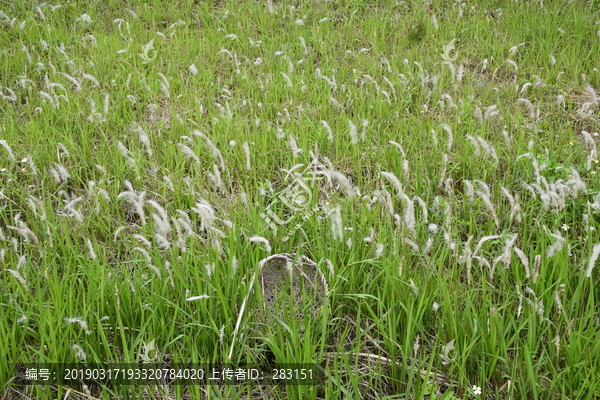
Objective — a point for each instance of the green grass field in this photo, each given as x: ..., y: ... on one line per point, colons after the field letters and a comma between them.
x: 432, y: 164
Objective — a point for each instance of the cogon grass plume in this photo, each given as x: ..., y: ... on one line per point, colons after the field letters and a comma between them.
x: 406, y: 170
x: 215, y: 177
x: 26, y: 234
x: 18, y: 277
x: 246, y: 147
x: 59, y: 173
x: 593, y: 259
x: 62, y: 150
x: 294, y: 146
x: 274, y: 97
x: 142, y: 240
x: 136, y: 128
x: 37, y: 206
x: 213, y: 149
x: 413, y: 245
x: 469, y: 190
x: 180, y: 242
x: 349, y: 189
x: 450, y: 142
x: 409, y: 215
x: 83, y: 324
x: 125, y: 153
x: 515, y: 206
x: 91, y: 252
x: 135, y: 201
x: 443, y: 171
x: 144, y: 253
x: 395, y: 182
x: 260, y: 239
x: 328, y: 129
x: 475, y: 144
x: 558, y: 244
x: 537, y: 262
x: 489, y: 149
x: 423, y: 205
x: 188, y: 152
x: 195, y: 298
x: 591, y: 145
x: 399, y: 147
x: 485, y: 195
x: 505, y: 257
x: 8, y: 150
x: 524, y: 261
x: 483, y: 240
x: 160, y: 217
x: 336, y: 224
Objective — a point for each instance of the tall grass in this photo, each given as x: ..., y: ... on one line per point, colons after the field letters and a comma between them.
x: 455, y: 216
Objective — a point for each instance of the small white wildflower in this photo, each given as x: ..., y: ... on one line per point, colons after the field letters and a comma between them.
x: 476, y: 390
x: 435, y: 306
x: 193, y: 70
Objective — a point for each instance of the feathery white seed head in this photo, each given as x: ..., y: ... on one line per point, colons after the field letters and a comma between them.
x: 593, y: 258
x: 260, y: 239
x: 91, y: 252
x: 201, y: 297
x: 80, y: 322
